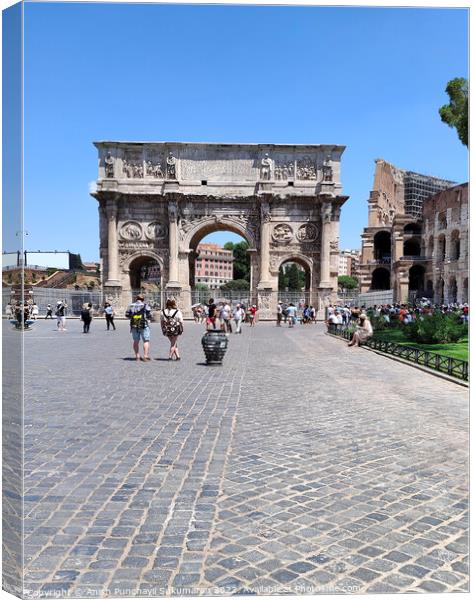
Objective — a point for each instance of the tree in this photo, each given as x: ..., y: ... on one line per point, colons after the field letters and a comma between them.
x: 241, y: 262
x: 201, y: 286
x: 455, y: 114
x: 346, y: 282
x: 294, y: 279
x: 236, y: 284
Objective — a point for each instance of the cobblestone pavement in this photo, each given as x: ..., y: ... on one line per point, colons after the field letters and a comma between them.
x: 300, y: 466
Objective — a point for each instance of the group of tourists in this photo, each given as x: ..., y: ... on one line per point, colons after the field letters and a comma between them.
x: 289, y: 314
x: 171, y: 320
x: 223, y: 315
x: 395, y: 313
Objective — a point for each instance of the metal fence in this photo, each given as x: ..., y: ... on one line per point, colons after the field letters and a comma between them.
x: 44, y: 296
x: 445, y: 364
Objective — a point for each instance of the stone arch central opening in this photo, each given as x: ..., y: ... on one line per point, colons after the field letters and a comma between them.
x: 219, y: 258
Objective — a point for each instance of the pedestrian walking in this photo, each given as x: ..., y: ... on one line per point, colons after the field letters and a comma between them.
x: 225, y: 318
x: 279, y: 314
x: 292, y: 314
x: 238, y: 316
x: 171, y: 321
x: 8, y: 311
x: 139, y: 314
x: 34, y: 311
x: 86, y: 317
x: 252, y: 315
x: 211, y: 318
x: 49, y: 311
x: 109, y: 315
x: 60, y: 314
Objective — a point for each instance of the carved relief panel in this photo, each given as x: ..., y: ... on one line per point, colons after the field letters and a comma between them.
x: 132, y: 165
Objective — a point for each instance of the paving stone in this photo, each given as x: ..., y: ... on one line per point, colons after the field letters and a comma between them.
x: 365, y: 574
x: 432, y: 586
x: 414, y: 570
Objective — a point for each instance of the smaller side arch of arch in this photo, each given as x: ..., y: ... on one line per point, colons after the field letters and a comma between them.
x: 142, y: 253
x: 304, y: 261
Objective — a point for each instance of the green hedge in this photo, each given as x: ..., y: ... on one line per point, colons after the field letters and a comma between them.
x: 435, y: 329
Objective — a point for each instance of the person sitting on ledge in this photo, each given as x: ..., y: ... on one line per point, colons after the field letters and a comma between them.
x: 363, y: 331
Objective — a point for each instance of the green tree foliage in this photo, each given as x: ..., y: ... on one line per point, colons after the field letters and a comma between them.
x: 291, y: 277
x: 236, y: 284
x: 201, y: 286
x: 242, y: 263
x: 346, y: 282
x: 455, y: 114
x: 294, y: 279
x: 435, y: 329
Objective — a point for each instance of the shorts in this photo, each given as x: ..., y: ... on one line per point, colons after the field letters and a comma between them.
x: 143, y: 334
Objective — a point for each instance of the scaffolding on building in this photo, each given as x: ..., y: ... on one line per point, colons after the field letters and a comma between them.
x: 417, y: 188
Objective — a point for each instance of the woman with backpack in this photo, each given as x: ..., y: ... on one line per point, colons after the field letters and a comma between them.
x: 171, y: 321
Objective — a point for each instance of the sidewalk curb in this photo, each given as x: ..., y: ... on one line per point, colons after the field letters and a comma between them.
x: 439, y: 374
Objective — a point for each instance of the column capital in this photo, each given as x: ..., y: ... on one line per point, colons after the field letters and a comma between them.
x: 173, y: 211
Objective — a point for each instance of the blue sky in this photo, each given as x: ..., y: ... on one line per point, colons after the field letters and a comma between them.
x: 369, y: 78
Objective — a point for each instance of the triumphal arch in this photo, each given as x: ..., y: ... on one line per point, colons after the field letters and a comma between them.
x: 158, y: 200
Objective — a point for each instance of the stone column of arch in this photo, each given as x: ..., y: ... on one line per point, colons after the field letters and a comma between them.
x: 326, y: 213
x: 113, y: 245
x: 173, y: 245
x: 265, y: 245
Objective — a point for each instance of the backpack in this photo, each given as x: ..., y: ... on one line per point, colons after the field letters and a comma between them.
x: 138, y: 320
x: 85, y: 314
x: 171, y: 326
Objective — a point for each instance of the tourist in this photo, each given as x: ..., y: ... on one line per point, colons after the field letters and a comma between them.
x: 252, y: 315
x: 292, y: 314
x: 49, y: 311
x: 279, y: 314
x: 225, y: 318
x: 363, y: 332
x: 285, y: 312
x: 139, y: 314
x: 313, y: 314
x: 211, y: 317
x: 197, y: 313
x: 60, y: 313
x: 109, y: 315
x: 34, y: 311
x: 9, y: 311
x: 171, y: 321
x: 332, y: 321
x: 86, y: 317
x: 238, y: 317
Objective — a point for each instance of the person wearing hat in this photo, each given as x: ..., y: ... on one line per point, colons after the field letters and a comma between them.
x: 139, y: 314
x: 60, y: 313
x: 363, y: 331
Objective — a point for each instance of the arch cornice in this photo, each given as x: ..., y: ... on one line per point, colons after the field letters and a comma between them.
x: 298, y: 257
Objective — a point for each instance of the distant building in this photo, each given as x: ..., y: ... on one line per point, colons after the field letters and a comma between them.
x: 393, y: 254
x: 91, y: 267
x: 348, y: 263
x: 42, y: 260
x: 213, y: 265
